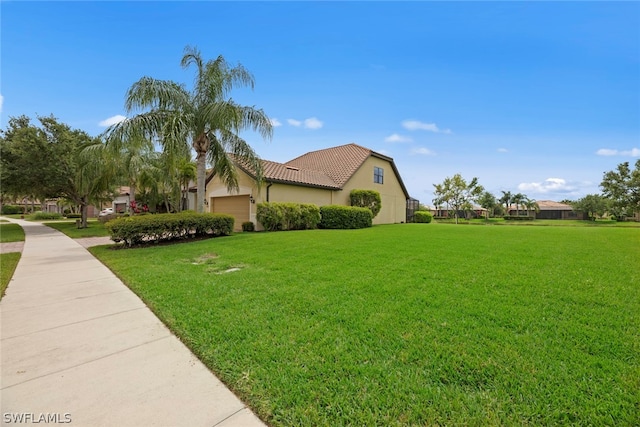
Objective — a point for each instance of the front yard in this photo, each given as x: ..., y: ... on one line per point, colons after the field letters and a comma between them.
x: 409, y: 324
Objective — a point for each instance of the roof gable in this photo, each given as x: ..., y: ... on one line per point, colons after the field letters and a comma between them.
x: 338, y: 163
x: 329, y: 168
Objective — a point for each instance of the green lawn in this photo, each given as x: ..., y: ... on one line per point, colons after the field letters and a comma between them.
x: 11, y: 233
x: 8, y: 263
x: 409, y: 324
x: 94, y: 229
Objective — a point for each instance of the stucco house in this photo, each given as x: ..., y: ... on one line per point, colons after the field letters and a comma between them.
x: 322, y: 177
x: 549, y: 209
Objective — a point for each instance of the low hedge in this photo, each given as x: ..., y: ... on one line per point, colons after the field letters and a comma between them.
x: 424, y: 217
x: 161, y: 227
x: 345, y: 217
x: 288, y: 216
x: 72, y: 215
x: 518, y: 218
x: 38, y: 216
x: 11, y: 210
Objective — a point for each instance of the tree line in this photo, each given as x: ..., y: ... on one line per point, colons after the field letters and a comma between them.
x: 620, y: 196
x: 150, y: 151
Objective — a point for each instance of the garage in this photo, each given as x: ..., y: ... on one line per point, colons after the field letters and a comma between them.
x: 236, y: 206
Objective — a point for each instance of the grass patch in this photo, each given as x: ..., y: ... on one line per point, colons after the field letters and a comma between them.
x: 94, y: 229
x: 11, y: 233
x: 409, y: 324
x: 8, y: 263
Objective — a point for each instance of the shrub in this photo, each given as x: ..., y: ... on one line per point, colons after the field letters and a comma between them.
x: 248, y: 226
x: 337, y: 216
x: 155, y: 228
x: 518, y: 218
x: 73, y: 215
x: 38, y: 216
x: 422, y: 216
x: 288, y: 216
x: 369, y: 199
x: 11, y: 209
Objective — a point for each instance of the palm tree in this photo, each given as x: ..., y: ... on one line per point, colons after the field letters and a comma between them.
x: 506, y: 200
x: 518, y: 199
x: 204, y: 117
x: 187, y: 172
x: 531, y: 204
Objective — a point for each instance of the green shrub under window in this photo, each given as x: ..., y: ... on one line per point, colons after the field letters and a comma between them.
x: 366, y: 199
x: 345, y: 217
x: 155, y: 228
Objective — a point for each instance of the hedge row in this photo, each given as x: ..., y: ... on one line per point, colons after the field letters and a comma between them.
x: 11, y: 209
x: 288, y: 216
x: 424, y: 217
x: 518, y: 218
x: 345, y: 217
x: 38, y: 216
x: 155, y: 228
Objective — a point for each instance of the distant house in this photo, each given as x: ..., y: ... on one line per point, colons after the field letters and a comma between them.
x: 322, y: 177
x: 549, y: 209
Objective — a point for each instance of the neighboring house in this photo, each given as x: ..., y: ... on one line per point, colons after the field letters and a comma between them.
x: 474, y: 212
x: 323, y: 177
x: 549, y: 209
x: 121, y: 202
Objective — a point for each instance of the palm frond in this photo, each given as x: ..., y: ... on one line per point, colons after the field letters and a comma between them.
x: 157, y: 94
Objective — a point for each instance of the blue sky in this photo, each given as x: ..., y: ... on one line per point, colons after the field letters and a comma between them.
x: 534, y: 97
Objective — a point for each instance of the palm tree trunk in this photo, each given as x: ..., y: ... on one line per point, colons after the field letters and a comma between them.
x: 201, y: 146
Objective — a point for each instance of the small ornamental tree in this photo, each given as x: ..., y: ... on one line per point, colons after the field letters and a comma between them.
x: 369, y: 199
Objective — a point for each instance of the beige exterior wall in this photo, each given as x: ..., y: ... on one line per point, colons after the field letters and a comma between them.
x: 394, y: 203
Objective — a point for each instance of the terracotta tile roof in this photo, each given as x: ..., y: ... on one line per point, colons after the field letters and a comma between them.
x: 339, y: 163
x: 274, y: 171
x: 328, y: 168
x: 550, y: 205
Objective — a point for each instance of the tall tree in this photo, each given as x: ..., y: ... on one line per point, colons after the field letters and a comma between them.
x: 52, y: 160
x: 593, y: 204
x: 622, y: 186
x: 205, y: 117
x: 488, y: 201
x: 457, y: 193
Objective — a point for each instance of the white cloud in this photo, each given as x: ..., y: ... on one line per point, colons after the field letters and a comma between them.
x: 310, y: 123
x: 397, y: 138
x: 112, y: 120
x: 423, y: 151
x: 549, y: 185
x: 417, y: 125
x: 634, y: 152
x: 275, y: 123
x: 1, y: 102
x: 502, y: 150
x: 313, y: 123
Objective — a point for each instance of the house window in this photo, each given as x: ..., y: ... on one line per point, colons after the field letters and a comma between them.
x: 378, y: 175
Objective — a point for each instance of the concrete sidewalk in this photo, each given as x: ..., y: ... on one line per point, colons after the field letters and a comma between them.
x: 77, y: 345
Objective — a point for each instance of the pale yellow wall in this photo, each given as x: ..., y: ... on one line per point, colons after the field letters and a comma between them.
x: 394, y: 201
x: 298, y: 194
